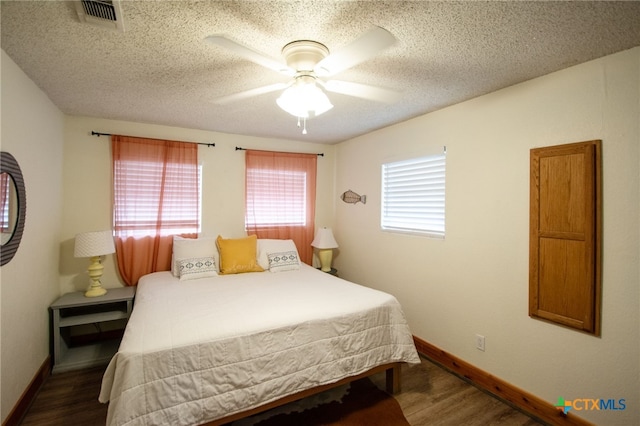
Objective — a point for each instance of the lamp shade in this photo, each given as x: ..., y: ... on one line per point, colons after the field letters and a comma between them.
x: 89, y: 244
x: 303, y: 99
x: 324, y: 239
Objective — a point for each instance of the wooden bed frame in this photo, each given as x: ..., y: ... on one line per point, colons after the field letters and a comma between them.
x: 392, y: 386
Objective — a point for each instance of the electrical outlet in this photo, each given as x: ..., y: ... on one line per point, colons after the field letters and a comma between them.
x: 480, y: 342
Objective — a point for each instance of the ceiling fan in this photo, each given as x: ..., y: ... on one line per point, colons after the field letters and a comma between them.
x: 308, y: 63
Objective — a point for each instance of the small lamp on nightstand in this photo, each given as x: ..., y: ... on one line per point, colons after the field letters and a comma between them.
x: 325, y: 243
x: 94, y: 245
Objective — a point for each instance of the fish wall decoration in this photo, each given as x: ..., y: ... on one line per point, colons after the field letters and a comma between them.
x: 352, y: 198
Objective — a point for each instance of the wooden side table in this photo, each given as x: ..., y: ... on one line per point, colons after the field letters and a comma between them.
x: 74, y: 309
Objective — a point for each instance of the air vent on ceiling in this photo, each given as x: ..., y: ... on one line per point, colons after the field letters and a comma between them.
x: 105, y: 13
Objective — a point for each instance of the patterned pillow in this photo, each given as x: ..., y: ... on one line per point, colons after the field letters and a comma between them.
x: 197, y: 267
x: 266, y: 246
x: 188, y: 248
x: 283, y: 261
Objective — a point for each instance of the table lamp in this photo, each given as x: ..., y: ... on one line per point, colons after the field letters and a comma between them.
x: 94, y: 245
x: 325, y: 243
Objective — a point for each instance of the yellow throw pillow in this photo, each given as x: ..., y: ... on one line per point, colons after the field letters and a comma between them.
x: 238, y: 255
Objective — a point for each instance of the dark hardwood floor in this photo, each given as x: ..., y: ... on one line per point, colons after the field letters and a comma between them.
x: 434, y: 396
x: 69, y: 398
x: 430, y: 396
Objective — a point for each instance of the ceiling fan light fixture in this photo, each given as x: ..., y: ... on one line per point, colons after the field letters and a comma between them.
x: 304, y: 99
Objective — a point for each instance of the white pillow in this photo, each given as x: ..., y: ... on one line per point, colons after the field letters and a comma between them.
x: 188, y: 248
x: 283, y: 261
x: 197, y: 267
x: 266, y: 246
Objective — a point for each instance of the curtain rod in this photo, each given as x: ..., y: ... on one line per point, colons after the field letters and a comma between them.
x: 98, y: 134
x: 320, y: 154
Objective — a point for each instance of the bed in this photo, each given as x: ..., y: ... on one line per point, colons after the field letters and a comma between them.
x: 222, y: 346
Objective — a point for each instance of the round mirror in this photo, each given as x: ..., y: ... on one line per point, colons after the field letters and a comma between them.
x: 13, y: 206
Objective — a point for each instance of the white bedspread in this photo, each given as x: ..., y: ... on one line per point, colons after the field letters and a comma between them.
x: 194, y: 351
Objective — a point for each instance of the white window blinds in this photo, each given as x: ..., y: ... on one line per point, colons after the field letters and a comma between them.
x: 151, y: 199
x: 276, y: 197
x: 156, y: 187
x: 413, y: 195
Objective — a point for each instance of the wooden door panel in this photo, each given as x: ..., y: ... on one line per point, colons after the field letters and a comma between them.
x: 565, y: 235
x: 561, y: 290
x: 562, y: 194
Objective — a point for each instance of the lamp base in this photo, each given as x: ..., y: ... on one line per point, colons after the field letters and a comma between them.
x: 325, y: 256
x: 95, y: 292
x: 95, y: 273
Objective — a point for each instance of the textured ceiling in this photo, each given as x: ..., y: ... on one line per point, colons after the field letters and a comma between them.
x: 160, y: 70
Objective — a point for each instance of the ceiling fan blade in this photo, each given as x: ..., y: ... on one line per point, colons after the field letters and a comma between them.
x: 364, y: 91
x: 364, y: 47
x: 250, y: 54
x: 223, y: 100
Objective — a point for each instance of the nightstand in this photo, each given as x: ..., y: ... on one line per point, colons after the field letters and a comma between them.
x: 74, y: 309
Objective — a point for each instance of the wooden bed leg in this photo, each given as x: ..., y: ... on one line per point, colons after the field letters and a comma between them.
x: 393, y: 382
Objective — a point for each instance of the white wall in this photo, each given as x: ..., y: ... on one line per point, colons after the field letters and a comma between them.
x: 32, y: 129
x: 87, y: 183
x: 476, y: 279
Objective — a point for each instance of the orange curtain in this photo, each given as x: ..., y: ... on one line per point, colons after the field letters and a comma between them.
x: 280, y: 194
x: 156, y: 196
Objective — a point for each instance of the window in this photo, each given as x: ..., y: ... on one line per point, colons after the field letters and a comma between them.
x: 288, y: 208
x: 159, y: 206
x: 155, y: 192
x: 280, y: 192
x: 413, y: 194
x: 5, y: 188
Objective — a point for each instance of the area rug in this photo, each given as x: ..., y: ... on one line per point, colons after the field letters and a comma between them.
x: 361, y: 403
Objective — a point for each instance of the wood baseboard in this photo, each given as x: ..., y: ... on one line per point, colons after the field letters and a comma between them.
x: 29, y: 394
x: 536, y: 407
